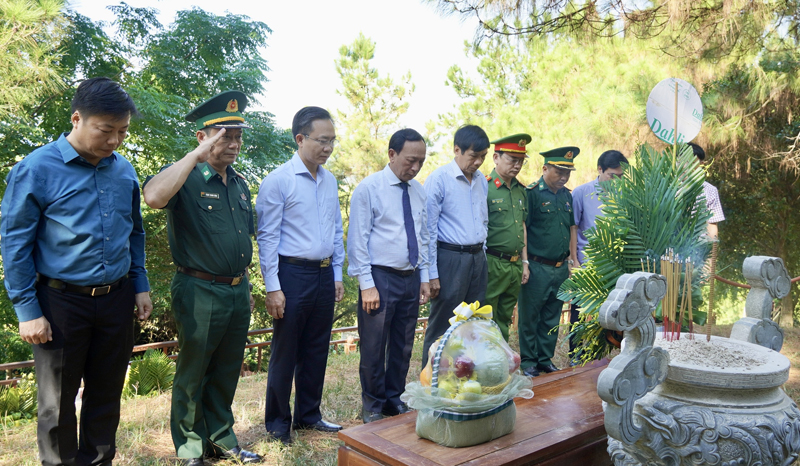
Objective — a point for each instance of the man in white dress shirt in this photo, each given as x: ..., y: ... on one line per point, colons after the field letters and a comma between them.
x: 458, y: 221
x: 388, y: 252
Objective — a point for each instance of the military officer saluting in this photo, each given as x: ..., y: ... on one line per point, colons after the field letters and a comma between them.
x: 552, y: 243
x: 210, y: 222
x: 506, y: 256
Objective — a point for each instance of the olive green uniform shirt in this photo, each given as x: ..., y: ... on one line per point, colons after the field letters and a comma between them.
x: 210, y: 224
x: 508, y: 209
x: 550, y: 217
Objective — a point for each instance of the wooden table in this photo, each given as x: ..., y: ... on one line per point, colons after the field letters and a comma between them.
x: 561, y: 425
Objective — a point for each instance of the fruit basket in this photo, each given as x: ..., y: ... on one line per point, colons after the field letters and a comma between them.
x: 466, y: 392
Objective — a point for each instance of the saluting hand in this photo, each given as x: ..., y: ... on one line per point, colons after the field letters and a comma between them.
x: 208, y: 147
x: 276, y: 302
x: 370, y: 299
x: 435, y: 287
x: 36, y: 331
x: 424, y: 293
x: 144, y: 306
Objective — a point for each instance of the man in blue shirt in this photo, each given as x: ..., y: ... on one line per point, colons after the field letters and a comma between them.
x: 73, y: 251
x: 586, y: 206
x: 458, y: 222
x: 386, y: 208
x: 301, y: 250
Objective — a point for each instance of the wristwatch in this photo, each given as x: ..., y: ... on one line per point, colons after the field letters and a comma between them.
x: 525, y: 261
x: 571, y: 262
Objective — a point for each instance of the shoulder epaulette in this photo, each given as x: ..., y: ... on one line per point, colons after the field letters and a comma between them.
x: 488, y: 177
x: 533, y: 185
x: 240, y: 175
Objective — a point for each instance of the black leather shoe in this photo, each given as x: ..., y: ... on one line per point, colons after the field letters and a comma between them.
x: 530, y: 372
x: 393, y: 410
x: 369, y: 416
x: 284, y: 438
x: 193, y: 462
x: 548, y: 368
x: 321, y: 425
x: 243, y: 456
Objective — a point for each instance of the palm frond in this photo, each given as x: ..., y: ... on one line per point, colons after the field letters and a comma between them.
x: 655, y: 206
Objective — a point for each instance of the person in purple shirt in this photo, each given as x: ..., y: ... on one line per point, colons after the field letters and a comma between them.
x: 586, y: 205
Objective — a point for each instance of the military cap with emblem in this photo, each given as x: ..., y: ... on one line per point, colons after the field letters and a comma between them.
x: 516, y: 143
x: 562, y: 157
x: 224, y: 110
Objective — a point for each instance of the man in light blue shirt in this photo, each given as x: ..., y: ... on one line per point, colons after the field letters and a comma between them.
x: 586, y: 205
x: 386, y: 208
x: 458, y: 222
x: 301, y: 252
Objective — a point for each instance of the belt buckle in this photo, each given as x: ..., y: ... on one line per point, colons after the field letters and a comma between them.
x: 514, y: 258
x: 325, y: 262
x: 97, y: 291
x: 237, y: 280
x: 559, y: 263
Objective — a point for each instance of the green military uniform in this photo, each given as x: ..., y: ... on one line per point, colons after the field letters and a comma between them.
x: 508, y: 208
x: 210, y: 224
x: 550, y: 217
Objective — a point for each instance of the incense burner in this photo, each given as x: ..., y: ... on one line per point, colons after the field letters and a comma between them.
x: 662, y: 411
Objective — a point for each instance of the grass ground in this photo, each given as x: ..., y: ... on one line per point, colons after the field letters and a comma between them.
x: 144, y: 437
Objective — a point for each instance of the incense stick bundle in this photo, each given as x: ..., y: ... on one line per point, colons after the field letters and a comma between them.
x: 684, y: 298
x: 710, y: 318
x: 689, y: 274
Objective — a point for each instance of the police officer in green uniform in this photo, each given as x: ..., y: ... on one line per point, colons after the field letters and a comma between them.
x: 552, y: 240
x: 210, y: 221
x: 506, y: 255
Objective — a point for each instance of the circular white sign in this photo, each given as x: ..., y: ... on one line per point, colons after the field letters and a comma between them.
x: 661, y: 111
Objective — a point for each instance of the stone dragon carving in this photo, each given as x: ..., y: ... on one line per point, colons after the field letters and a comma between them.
x: 640, y: 367
x: 768, y: 280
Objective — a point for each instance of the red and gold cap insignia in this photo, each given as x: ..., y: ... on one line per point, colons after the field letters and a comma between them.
x: 568, y: 155
x: 522, y: 143
x: 233, y: 106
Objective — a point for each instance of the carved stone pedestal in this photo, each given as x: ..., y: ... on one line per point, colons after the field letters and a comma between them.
x: 662, y: 412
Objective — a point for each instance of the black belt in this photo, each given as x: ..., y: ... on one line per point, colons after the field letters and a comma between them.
x: 306, y: 263
x: 232, y: 281
x: 546, y: 261
x: 472, y: 249
x: 502, y: 255
x: 402, y: 273
x: 93, y: 290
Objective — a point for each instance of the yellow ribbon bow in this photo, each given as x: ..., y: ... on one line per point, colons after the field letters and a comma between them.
x: 464, y: 311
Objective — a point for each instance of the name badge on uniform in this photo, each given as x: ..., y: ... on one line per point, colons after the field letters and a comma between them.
x: 209, y: 195
x: 496, y: 201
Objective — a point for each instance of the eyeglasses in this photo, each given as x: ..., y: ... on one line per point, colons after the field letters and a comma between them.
x: 516, y: 160
x: 331, y: 143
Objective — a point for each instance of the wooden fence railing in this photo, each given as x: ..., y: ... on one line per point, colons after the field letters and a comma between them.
x: 167, y: 345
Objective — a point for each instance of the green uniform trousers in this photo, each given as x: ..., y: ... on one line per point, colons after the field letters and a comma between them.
x: 505, y: 279
x: 212, y: 320
x: 539, y: 311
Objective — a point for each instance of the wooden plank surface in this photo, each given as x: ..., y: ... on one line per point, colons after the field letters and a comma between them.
x: 564, y: 418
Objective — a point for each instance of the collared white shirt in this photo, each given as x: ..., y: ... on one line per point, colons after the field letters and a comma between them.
x: 457, y: 211
x: 377, y: 232
x: 298, y: 216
